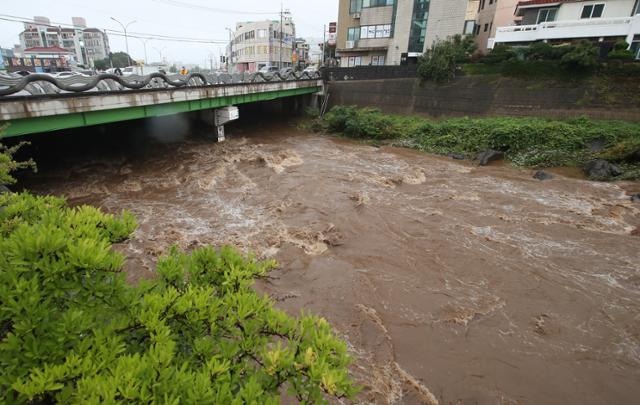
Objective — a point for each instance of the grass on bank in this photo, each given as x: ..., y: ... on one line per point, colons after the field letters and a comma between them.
x: 527, y: 142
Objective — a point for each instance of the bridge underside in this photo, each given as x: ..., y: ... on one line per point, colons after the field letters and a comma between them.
x: 31, y: 115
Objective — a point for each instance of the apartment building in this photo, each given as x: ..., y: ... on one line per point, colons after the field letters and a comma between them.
x: 96, y: 45
x: 391, y: 32
x: 262, y: 43
x: 85, y: 44
x: 605, y: 22
x: 491, y: 15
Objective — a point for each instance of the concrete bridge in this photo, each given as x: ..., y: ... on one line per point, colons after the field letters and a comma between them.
x: 40, y: 103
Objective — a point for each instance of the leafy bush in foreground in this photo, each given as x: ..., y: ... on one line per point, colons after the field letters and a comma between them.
x: 8, y: 165
x: 526, y: 141
x: 73, y: 331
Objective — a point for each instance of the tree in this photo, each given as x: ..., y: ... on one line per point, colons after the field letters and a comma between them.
x: 102, y: 64
x: 118, y: 59
x: 439, y: 62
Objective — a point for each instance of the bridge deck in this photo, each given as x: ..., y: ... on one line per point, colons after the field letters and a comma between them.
x: 34, y: 114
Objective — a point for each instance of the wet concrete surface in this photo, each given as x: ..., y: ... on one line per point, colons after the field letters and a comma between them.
x: 452, y: 283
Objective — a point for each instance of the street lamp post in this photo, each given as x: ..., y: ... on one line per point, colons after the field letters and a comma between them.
x: 126, y: 38
x: 144, y: 43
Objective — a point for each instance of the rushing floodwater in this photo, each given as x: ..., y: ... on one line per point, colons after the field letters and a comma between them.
x: 451, y: 283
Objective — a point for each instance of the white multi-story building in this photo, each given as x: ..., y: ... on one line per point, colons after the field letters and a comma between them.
x: 86, y: 44
x: 603, y: 21
x: 388, y: 32
x: 262, y: 43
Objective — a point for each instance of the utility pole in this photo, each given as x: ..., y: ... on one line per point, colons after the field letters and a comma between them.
x: 160, y: 53
x: 281, y: 38
x: 324, y: 42
x: 126, y: 38
x: 230, y: 58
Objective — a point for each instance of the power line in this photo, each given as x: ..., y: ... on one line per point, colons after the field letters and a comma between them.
x: 158, y: 37
x: 192, y: 6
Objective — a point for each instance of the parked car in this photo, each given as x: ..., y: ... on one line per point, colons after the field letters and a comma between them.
x: 268, y: 69
x: 311, y: 69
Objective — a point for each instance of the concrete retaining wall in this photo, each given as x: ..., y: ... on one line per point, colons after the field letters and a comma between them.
x: 490, y: 96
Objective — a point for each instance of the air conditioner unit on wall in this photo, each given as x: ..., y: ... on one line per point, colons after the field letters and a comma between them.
x: 356, y: 16
x: 350, y: 44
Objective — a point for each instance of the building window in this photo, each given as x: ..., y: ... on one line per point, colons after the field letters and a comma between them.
x: 637, y: 9
x: 353, y: 34
x: 592, y: 11
x: 469, y: 27
x: 354, y: 61
x: 377, y: 3
x: 377, y: 60
x: 370, y: 31
x: 546, y: 15
x: 418, y: 30
x: 355, y: 6
x: 486, y: 27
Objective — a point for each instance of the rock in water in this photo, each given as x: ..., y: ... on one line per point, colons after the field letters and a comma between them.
x: 542, y: 175
x: 490, y: 156
x: 601, y: 169
x: 635, y: 198
x: 457, y: 156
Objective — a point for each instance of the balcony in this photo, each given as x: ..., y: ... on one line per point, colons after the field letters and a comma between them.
x: 591, y: 28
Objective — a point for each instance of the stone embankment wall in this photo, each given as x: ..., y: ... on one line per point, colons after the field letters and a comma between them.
x: 598, y: 98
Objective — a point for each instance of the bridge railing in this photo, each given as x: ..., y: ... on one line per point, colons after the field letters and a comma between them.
x: 44, y: 84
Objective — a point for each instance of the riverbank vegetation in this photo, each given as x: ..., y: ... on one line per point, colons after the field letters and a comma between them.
x: 528, y: 142
x: 73, y: 331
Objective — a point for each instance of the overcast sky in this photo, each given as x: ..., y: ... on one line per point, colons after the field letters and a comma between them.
x: 163, y: 17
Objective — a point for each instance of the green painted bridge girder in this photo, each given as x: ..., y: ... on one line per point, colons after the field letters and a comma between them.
x: 34, y: 125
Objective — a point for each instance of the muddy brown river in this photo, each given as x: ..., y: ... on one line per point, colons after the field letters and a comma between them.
x: 452, y: 284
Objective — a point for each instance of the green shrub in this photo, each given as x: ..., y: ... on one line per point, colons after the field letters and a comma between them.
x: 8, y: 165
x: 544, y: 51
x: 500, y: 53
x: 73, y: 331
x: 621, y: 52
x: 583, y: 57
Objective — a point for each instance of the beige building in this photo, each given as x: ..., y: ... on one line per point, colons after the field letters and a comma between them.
x: 257, y: 44
x: 391, y: 32
x: 491, y: 15
x: 86, y: 44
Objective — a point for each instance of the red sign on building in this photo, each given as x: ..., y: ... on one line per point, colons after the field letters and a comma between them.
x: 333, y: 28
